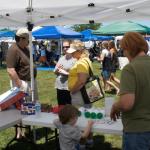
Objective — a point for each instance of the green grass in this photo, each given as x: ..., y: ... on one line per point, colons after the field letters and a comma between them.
x: 47, y: 94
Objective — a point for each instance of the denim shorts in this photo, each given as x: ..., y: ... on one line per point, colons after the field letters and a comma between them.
x: 106, y: 74
x: 136, y: 141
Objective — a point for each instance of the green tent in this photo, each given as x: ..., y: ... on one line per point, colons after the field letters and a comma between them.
x: 119, y: 28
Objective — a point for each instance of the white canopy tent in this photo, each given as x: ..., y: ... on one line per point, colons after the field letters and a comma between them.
x: 19, y: 13
x: 61, y: 12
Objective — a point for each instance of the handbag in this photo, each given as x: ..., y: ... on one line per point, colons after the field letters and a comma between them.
x: 92, y: 90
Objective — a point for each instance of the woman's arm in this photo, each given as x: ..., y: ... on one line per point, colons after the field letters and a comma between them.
x: 125, y: 103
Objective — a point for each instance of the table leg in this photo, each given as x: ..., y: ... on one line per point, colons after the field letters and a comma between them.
x: 46, y: 135
x: 25, y: 139
x: 55, y: 137
x: 34, y: 134
x: 13, y: 139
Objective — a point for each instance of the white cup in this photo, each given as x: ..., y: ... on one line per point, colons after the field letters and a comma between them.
x: 108, y: 105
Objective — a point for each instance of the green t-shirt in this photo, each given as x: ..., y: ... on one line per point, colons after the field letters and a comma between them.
x: 135, y: 78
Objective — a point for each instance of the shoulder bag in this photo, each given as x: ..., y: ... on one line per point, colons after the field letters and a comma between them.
x: 92, y: 90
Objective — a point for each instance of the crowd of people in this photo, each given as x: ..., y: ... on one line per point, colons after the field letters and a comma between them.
x: 72, y: 72
x: 46, y: 53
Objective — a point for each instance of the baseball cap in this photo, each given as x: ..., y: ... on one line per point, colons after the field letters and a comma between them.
x: 22, y: 32
x: 71, y: 50
x: 74, y: 48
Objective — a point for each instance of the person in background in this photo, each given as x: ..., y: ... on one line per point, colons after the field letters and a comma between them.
x: 119, y: 49
x: 43, y: 59
x: 57, y: 50
x: 48, y: 51
x: 134, y: 93
x: 34, y: 50
x: 4, y: 49
x: 18, y: 64
x: 114, y: 65
x: 61, y: 70
x: 1, y: 55
x: 105, y: 58
x: 69, y: 134
x: 79, y: 73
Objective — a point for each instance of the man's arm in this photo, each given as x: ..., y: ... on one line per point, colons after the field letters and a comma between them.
x: 14, y: 76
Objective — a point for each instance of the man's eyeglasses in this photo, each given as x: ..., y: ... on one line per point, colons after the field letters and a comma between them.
x: 66, y: 47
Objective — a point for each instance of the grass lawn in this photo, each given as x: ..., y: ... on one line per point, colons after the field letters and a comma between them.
x: 47, y: 94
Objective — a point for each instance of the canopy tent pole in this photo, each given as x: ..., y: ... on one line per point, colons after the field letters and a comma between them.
x: 61, y: 47
x: 30, y: 27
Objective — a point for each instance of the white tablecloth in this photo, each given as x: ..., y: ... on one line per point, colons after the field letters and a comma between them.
x: 9, y: 118
x: 102, y: 126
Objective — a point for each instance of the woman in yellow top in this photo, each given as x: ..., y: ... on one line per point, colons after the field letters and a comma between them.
x: 79, y: 73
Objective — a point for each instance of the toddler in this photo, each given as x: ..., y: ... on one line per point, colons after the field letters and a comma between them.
x: 69, y: 134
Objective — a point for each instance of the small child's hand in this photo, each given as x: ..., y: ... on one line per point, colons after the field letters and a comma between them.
x: 90, y: 122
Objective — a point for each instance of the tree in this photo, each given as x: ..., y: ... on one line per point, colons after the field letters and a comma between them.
x: 81, y: 27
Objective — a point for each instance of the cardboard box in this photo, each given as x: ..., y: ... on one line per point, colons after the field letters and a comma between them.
x: 10, y: 97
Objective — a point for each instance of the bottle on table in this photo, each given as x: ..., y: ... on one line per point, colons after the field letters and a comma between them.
x: 37, y: 108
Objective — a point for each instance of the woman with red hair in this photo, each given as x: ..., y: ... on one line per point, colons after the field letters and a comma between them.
x: 134, y: 103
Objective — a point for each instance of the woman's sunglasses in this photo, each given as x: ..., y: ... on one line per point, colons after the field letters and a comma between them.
x: 66, y: 47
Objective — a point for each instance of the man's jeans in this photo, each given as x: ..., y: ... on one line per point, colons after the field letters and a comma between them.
x: 136, y: 141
